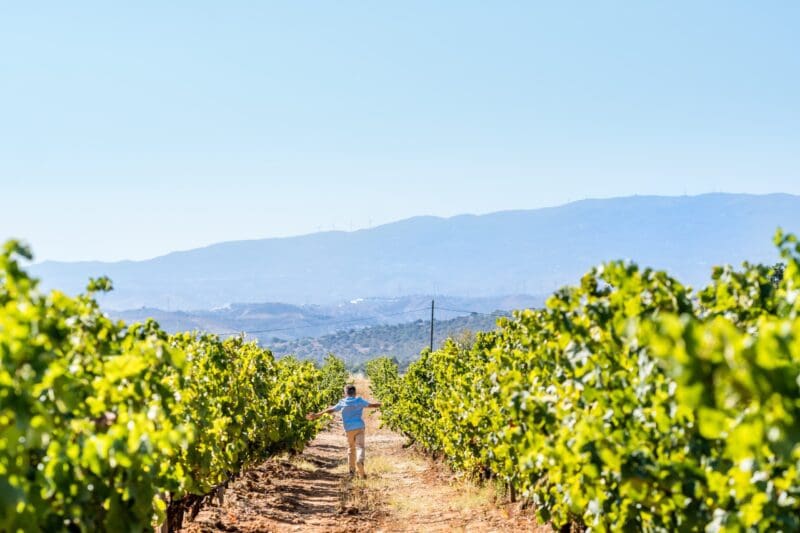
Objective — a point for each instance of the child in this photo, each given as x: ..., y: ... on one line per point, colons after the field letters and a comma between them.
x: 352, y: 408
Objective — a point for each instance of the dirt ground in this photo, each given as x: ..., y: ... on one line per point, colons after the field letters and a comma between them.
x: 404, y: 491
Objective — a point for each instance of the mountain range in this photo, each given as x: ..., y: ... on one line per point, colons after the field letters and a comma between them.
x: 509, y: 252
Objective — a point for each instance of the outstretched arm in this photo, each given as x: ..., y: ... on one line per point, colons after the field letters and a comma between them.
x: 375, y: 404
x: 314, y: 416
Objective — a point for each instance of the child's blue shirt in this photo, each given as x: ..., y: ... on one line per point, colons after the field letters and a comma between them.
x: 351, y: 409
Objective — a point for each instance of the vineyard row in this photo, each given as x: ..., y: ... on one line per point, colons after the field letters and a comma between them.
x: 107, y: 426
x: 628, y: 403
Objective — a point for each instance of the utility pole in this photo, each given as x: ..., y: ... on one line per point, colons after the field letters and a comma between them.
x: 431, y: 325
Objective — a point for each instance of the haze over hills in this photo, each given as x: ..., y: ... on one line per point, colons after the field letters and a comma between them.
x: 271, y: 322
x: 404, y: 341
x: 510, y: 252
x: 356, y: 331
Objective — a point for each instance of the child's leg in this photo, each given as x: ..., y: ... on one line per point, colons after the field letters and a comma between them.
x: 351, y: 452
x: 360, y: 451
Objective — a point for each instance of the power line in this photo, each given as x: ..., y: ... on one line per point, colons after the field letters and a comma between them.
x: 355, y: 320
x: 321, y: 324
x: 497, y: 314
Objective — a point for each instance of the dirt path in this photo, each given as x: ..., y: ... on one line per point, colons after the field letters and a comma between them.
x: 404, y: 491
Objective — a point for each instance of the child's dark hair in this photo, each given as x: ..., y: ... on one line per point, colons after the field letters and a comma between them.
x: 350, y: 390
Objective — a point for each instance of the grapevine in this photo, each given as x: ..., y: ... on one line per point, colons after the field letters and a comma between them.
x: 628, y: 402
x: 107, y: 426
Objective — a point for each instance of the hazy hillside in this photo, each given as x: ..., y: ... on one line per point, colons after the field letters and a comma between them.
x: 402, y: 341
x: 529, y: 252
x: 271, y: 321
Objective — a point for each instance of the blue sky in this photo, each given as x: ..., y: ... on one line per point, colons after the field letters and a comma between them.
x: 130, y: 130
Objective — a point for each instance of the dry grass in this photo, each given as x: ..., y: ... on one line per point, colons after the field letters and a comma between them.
x: 463, y: 497
x: 469, y: 496
x: 302, y: 464
x: 361, y: 496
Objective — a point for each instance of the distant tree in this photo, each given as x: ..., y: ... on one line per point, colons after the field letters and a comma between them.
x: 464, y: 339
x: 777, y: 274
